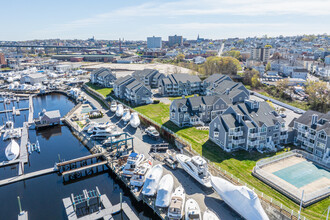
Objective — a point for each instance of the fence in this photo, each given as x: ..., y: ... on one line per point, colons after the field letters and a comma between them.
x: 186, y: 148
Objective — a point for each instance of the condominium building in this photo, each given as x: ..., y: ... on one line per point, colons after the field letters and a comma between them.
x: 260, y: 54
x: 175, y: 40
x: 312, y: 133
x: 154, y: 42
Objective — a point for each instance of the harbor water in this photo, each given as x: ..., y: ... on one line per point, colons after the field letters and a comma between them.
x: 42, y: 196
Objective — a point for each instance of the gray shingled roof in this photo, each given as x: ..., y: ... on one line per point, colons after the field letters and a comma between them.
x: 53, y: 114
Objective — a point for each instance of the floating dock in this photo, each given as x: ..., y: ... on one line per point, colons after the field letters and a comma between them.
x: 85, y: 203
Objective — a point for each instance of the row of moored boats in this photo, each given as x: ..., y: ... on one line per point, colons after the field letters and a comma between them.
x: 125, y: 114
x: 142, y: 174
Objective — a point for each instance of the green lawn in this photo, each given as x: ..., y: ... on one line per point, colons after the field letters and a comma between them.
x: 179, y: 97
x: 103, y: 91
x: 239, y: 163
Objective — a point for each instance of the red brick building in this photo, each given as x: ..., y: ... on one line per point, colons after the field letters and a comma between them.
x: 3, y: 61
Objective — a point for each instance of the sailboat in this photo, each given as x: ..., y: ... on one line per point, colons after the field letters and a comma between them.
x: 12, y: 150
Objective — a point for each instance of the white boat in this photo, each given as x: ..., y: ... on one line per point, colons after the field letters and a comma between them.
x: 240, y: 198
x: 12, y: 133
x: 99, y: 127
x: 133, y: 161
x: 196, y: 167
x: 113, y: 106
x: 135, y: 120
x: 152, y: 180
x: 192, y: 210
x: 120, y: 110
x: 12, y: 150
x: 140, y: 173
x: 152, y: 132
x: 209, y: 215
x: 126, y: 115
x: 175, y: 211
x: 164, y: 191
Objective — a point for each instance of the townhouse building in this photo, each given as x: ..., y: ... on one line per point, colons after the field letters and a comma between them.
x: 312, y: 133
x: 103, y: 77
x: 197, y: 110
x: 180, y: 84
x: 249, y: 125
x: 132, y: 90
x: 149, y: 77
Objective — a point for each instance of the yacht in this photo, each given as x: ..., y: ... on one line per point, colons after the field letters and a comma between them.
x: 113, y: 106
x: 140, y: 173
x: 152, y: 132
x: 196, y: 167
x: 209, y: 215
x: 12, y: 133
x: 152, y: 180
x: 175, y: 211
x: 249, y: 206
x: 133, y: 161
x: 192, y: 210
x: 120, y: 110
x: 12, y: 150
x: 126, y: 115
x: 135, y: 120
x: 99, y: 127
x: 164, y: 191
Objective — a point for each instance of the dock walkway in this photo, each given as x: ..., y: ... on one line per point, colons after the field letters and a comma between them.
x: 26, y: 176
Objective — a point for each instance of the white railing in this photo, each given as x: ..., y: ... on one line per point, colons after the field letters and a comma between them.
x: 235, y: 133
x: 284, y: 136
x: 239, y: 141
x: 253, y: 135
x: 256, y: 142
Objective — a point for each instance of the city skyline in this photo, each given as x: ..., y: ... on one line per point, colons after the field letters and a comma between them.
x: 138, y: 20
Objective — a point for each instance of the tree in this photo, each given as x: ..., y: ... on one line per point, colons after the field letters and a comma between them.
x: 248, y: 75
x: 180, y: 57
x: 224, y: 65
x: 318, y: 95
x: 255, y: 82
x: 233, y: 53
x: 268, y: 66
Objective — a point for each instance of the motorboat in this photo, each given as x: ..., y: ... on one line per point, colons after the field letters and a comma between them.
x: 152, y: 132
x: 192, y: 210
x: 140, y: 173
x: 120, y: 110
x: 175, y: 210
x: 135, y: 120
x: 12, y: 150
x: 113, y: 106
x: 196, y: 167
x: 209, y: 215
x: 133, y: 161
x: 164, y: 191
x: 240, y: 198
x: 12, y: 133
x: 152, y: 180
x: 170, y: 159
x: 126, y: 115
x: 99, y: 127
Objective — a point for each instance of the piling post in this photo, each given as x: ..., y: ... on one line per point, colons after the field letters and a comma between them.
x: 19, y: 205
x: 121, y: 205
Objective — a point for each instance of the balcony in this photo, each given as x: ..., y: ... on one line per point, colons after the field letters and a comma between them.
x: 252, y: 143
x: 285, y: 136
x: 283, y: 129
x: 311, y: 136
x: 302, y: 130
x: 236, y: 133
x: 308, y: 144
x: 239, y: 141
x: 254, y: 135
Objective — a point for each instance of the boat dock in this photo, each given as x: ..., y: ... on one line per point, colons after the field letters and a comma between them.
x: 31, y: 110
x: 10, y: 110
x: 76, y: 207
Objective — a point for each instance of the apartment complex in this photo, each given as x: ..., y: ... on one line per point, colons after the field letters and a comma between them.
x: 149, y: 77
x: 249, y: 125
x: 312, y: 133
x: 104, y: 77
x: 180, y: 84
x: 260, y: 54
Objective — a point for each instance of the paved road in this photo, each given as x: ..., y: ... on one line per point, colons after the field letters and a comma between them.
x: 206, y: 198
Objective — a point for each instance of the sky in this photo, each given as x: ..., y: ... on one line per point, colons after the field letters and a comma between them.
x: 138, y: 19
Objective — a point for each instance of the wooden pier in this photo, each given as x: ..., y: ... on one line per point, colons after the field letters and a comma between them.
x: 31, y: 110
x: 10, y: 110
x: 23, y: 155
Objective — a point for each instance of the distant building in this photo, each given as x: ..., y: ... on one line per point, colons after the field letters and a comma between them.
x: 260, y: 54
x: 3, y: 61
x: 299, y: 73
x: 154, y: 42
x: 327, y: 60
x: 175, y: 40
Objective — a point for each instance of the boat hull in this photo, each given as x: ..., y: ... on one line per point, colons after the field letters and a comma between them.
x: 12, y: 150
